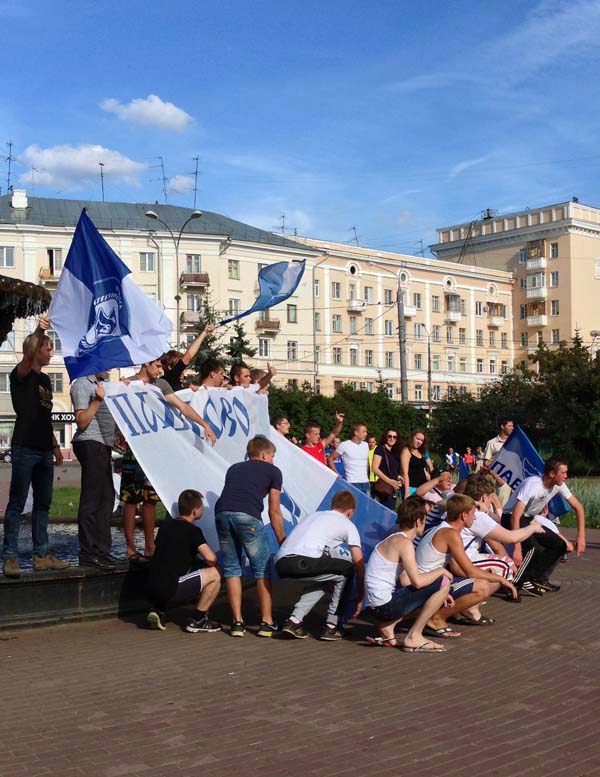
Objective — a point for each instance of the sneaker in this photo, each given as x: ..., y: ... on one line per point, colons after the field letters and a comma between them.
x: 11, y: 567
x: 110, y: 559
x: 48, y: 562
x: 532, y: 589
x: 331, y: 633
x: 546, y: 585
x: 237, y: 629
x: 95, y: 561
x: 267, y: 629
x: 294, y: 630
x: 156, y: 620
x: 194, y: 625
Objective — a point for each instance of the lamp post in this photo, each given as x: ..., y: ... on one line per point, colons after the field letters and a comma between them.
x: 150, y: 214
x: 429, y: 387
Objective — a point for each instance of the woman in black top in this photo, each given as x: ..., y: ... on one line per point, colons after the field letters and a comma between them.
x: 414, y: 463
x: 386, y: 466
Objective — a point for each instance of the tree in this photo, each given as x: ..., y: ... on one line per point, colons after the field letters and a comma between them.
x: 212, y: 347
x: 239, y: 346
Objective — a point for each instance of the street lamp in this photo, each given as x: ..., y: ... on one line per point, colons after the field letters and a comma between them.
x: 150, y: 214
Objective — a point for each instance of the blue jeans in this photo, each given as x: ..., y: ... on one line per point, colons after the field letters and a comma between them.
x: 35, y: 468
x: 364, y: 487
x: 239, y: 532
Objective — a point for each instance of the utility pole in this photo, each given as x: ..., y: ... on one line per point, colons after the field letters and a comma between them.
x: 355, y: 238
x: 402, y: 344
x: 195, y: 159
x: 422, y: 252
x: 10, y: 158
x: 102, y: 178
x: 163, y: 178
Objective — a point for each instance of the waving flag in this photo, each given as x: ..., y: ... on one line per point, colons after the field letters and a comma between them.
x: 103, y: 319
x: 276, y: 282
x: 463, y: 469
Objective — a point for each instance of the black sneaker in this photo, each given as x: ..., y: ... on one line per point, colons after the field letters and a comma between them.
x: 532, y: 589
x: 546, y: 585
x: 156, y: 620
x: 100, y: 562
x: 194, y: 625
x: 267, y: 629
x: 110, y: 559
x: 331, y: 633
x: 237, y: 629
x: 294, y: 630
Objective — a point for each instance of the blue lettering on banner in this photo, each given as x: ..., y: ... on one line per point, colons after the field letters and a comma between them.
x: 116, y: 401
x: 244, y: 421
x: 210, y: 416
x: 228, y: 419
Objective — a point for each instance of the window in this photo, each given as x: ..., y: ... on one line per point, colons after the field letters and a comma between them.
x: 554, y: 307
x: 462, y: 364
x: 292, y: 383
x: 435, y: 363
x: 492, y: 366
x: 337, y: 355
x: 553, y: 250
x: 368, y: 326
x: 418, y: 361
x: 436, y: 393
x: 523, y: 255
x: 449, y: 335
x: 368, y: 358
x: 292, y: 350
x: 264, y: 348
x: 292, y: 314
x: 9, y: 343
x: 492, y: 337
x: 479, y: 392
x: 539, y: 337
x: 523, y: 283
x: 54, y: 260
x: 555, y: 338
x: 368, y: 294
x: 351, y: 291
x: 317, y: 287
x: 480, y: 365
x: 389, y: 390
x: 233, y: 269
x: 536, y: 281
x: 353, y: 357
x: 418, y: 392
x: 388, y: 298
x: 56, y: 343
x: 522, y: 312
x: 463, y: 307
x: 417, y: 300
x: 318, y: 354
x: 503, y: 340
x: 4, y: 382
x: 193, y: 302
x: 451, y: 363
x: 554, y: 279
x: 435, y: 304
x: 369, y: 387
x: 479, y: 337
x: 192, y: 263
x: 462, y: 336
x: 56, y: 380
x: 146, y: 261
x: 479, y: 308
x: 504, y: 367
x: 318, y: 386
x: 336, y: 290
x: 389, y: 359
x: 389, y: 327
x: 418, y: 331
x: 337, y: 385
x: 317, y: 322
x: 524, y: 339
x: 451, y: 391
x: 336, y: 322
x: 436, y: 333
x: 353, y: 325
x: 7, y: 256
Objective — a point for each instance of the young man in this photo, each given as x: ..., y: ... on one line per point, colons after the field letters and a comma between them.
x: 173, y: 574
x: 338, y: 465
x: 241, y: 377
x: 92, y: 444
x: 135, y: 486
x: 314, y: 445
x: 282, y: 424
x: 506, y: 428
x: 355, y: 455
x: 443, y: 545
x: 311, y: 555
x: 212, y: 373
x: 34, y: 452
x: 238, y: 519
x: 533, y: 495
x: 175, y: 364
x: 395, y: 587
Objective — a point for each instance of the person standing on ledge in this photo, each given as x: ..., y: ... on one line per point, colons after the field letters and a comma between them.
x: 34, y: 452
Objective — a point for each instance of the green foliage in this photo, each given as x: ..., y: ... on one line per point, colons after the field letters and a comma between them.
x: 239, y: 349
x: 212, y: 347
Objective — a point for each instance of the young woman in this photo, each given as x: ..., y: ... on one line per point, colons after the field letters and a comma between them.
x: 415, y: 465
x: 386, y: 466
x: 469, y: 459
x: 395, y: 587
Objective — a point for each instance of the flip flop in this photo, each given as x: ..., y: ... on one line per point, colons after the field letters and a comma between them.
x: 382, y: 642
x: 423, y: 648
x: 443, y: 633
x: 465, y: 621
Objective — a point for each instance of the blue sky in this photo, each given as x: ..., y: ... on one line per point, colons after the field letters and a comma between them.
x: 394, y: 117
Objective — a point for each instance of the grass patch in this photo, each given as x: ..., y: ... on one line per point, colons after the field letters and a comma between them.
x: 587, y: 490
x: 65, y: 503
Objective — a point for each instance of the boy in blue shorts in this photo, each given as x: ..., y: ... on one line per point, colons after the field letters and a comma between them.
x: 238, y: 519
x: 174, y: 577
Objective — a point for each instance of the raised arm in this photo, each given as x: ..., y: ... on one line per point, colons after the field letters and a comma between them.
x: 25, y: 366
x: 335, y: 432
x: 194, y: 346
x: 266, y: 379
x: 188, y: 412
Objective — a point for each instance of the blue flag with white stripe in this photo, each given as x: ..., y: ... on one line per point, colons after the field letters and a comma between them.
x: 276, y: 282
x: 103, y: 319
x: 463, y: 469
x: 516, y: 460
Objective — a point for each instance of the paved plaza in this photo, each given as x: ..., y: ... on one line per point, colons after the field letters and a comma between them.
x: 108, y: 698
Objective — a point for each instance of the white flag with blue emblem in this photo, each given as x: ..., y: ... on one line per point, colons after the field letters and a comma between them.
x: 276, y: 282
x: 103, y: 319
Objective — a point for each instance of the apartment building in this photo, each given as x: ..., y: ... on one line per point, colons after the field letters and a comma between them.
x: 554, y: 253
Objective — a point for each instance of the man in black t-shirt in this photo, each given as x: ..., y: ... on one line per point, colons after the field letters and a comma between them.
x: 175, y: 363
x: 174, y: 575
x: 34, y: 451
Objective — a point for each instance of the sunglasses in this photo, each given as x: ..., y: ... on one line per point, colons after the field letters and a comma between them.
x: 392, y: 436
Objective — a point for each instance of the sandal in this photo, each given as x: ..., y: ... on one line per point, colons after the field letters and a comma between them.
x: 424, y: 647
x: 385, y: 642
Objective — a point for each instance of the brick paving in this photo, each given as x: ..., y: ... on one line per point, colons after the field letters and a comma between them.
x: 110, y: 699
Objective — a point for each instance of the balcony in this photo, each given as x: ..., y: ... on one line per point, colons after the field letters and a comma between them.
x: 189, y: 319
x: 538, y: 263
x: 410, y: 311
x: 267, y: 326
x: 453, y: 316
x: 539, y: 292
x: 355, y: 305
x: 197, y: 280
x: 541, y: 319
x: 48, y: 278
x: 496, y: 321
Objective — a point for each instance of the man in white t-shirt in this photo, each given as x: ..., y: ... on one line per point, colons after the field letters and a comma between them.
x: 313, y: 554
x: 533, y: 495
x: 506, y: 428
x: 355, y: 455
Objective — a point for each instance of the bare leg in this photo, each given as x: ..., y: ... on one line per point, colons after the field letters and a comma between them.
x: 234, y: 594
x: 211, y: 585
x: 129, y: 528
x: 148, y: 522
x: 386, y: 630
x: 479, y: 593
x: 263, y: 591
x: 414, y: 638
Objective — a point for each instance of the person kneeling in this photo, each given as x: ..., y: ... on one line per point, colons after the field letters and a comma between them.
x: 174, y: 578
x: 395, y: 587
x: 311, y: 555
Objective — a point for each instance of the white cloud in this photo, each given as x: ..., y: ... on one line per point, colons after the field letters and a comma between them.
x: 180, y: 184
x: 150, y: 110
x: 465, y: 165
x: 69, y: 167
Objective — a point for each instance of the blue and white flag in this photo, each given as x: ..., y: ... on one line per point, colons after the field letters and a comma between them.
x: 516, y: 460
x: 103, y: 319
x: 463, y: 469
x: 276, y: 282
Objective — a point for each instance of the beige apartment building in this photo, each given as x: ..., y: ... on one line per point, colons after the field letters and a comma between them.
x: 554, y: 253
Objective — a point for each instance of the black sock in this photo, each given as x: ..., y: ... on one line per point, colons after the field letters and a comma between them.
x: 200, y: 614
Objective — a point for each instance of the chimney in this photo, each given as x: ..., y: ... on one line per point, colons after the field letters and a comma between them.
x: 19, y: 199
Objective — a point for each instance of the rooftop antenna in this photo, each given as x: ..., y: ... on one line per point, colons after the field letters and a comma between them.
x: 10, y: 159
x: 163, y: 178
x: 102, y: 178
x: 195, y: 159
x: 282, y: 225
x: 422, y: 250
x: 355, y: 231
